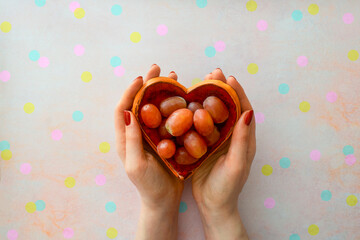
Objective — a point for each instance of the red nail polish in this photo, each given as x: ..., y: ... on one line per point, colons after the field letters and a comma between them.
x: 137, y: 78
x: 249, y: 117
x: 172, y: 72
x: 127, y: 118
x: 153, y: 64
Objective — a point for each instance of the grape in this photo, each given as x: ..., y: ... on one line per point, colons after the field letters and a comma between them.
x: 193, y: 106
x: 203, y: 122
x: 166, y: 148
x: 151, y: 116
x: 194, y: 144
x: 171, y: 104
x: 213, y: 137
x: 163, y: 133
x: 183, y: 157
x: 179, y: 122
x: 216, y: 108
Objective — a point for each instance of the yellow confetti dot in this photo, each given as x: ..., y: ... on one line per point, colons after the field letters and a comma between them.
x: 351, y: 200
x: 135, y: 37
x: 313, y: 229
x: 29, y: 107
x: 111, y: 233
x: 252, y: 68
x: 195, y: 81
x: 313, y: 9
x: 79, y: 13
x: 70, y: 182
x: 304, y: 106
x: 251, y: 5
x: 267, y: 170
x: 353, y: 55
x: 6, y: 154
x: 5, y: 27
x: 104, y: 147
x: 30, y: 207
x: 86, y: 76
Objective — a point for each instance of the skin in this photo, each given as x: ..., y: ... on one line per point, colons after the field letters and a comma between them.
x: 216, y: 185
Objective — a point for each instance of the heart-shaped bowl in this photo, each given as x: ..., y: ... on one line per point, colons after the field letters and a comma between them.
x: 157, y: 89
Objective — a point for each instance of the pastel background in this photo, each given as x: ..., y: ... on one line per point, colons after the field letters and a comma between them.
x: 64, y: 65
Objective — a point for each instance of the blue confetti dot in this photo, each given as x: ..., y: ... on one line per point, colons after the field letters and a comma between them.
x: 4, y: 145
x: 297, y: 15
x: 40, y: 205
x: 284, y: 88
x: 34, y: 55
x: 110, y: 207
x: 326, y: 195
x: 183, y: 207
x: 285, y: 162
x: 77, y: 116
x: 201, y: 3
x: 116, y: 10
x: 210, y: 51
x: 40, y: 3
x: 115, y: 61
x: 348, y: 150
x: 294, y: 237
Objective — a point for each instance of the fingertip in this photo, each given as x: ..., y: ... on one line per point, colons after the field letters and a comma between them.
x: 173, y: 75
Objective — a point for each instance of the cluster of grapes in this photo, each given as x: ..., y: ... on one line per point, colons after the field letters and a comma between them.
x: 192, y: 125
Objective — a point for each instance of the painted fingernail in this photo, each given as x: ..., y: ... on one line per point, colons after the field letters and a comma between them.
x: 249, y: 117
x: 137, y: 78
x: 127, y: 118
x: 172, y: 72
x: 153, y: 65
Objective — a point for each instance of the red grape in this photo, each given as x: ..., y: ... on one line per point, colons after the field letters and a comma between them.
x: 166, y: 148
x: 151, y: 116
x: 216, y: 108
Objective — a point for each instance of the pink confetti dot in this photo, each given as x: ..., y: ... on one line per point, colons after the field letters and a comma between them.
x: 350, y: 159
x: 302, y: 61
x: 269, y: 203
x: 43, y: 62
x: 331, y: 96
x: 68, y: 233
x: 12, y: 234
x: 259, y: 117
x: 315, y: 155
x: 100, y: 180
x: 79, y: 50
x: 56, y: 135
x: 119, y: 71
x: 262, y: 25
x: 5, y: 76
x: 348, y: 18
x: 73, y: 6
x: 162, y: 29
x: 25, y: 168
x: 219, y: 46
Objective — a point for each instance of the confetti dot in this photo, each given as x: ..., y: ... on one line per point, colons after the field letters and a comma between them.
x: 195, y: 81
x: 348, y: 18
x: 285, y: 162
x: 40, y: 3
x: 283, y: 88
x: 116, y: 10
x: 73, y: 6
x: 331, y: 96
x: 297, y: 15
x: 351, y: 200
x: 201, y: 3
x: 183, y: 207
x: 252, y: 68
x: 119, y: 71
x: 115, y: 61
x: 294, y: 237
x: 70, y: 182
x: 315, y: 155
x: 302, y: 61
x: 6, y: 154
x: 313, y: 9
x: 353, y: 55
x: 29, y: 108
x: 12, y: 234
x: 267, y: 170
x: 210, y: 51
x: 262, y: 25
x: 350, y: 159
x: 220, y: 46
x: 111, y: 233
x: 348, y: 149
x: 326, y: 195
x: 77, y: 116
x: 5, y: 76
x: 79, y: 13
x: 251, y: 5
x: 25, y: 168
x: 43, y: 62
x: 34, y: 55
x: 259, y: 117
x: 104, y: 147
x: 79, y: 50
x: 162, y: 29
x: 135, y: 37
x: 304, y: 106
x: 68, y: 233
x: 30, y: 207
x: 5, y: 27
x: 40, y: 205
x: 313, y: 229
x: 4, y: 145
x: 269, y: 203
x: 56, y: 135
x: 110, y: 207
x: 100, y: 180
x: 86, y: 77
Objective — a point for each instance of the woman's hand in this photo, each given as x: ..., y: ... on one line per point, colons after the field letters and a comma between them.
x: 218, y: 183
x: 160, y: 191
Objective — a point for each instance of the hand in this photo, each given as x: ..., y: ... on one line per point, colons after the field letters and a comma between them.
x: 218, y: 183
x: 160, y: 191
